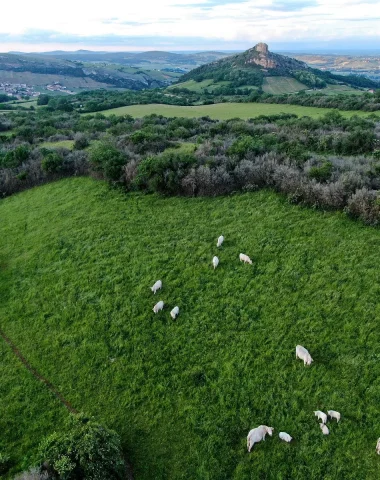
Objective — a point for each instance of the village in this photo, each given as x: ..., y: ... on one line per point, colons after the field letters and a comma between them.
x: 22, y: 90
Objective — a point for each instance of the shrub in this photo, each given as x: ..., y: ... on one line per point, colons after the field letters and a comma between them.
x: 322, y: 173
x: 5, y: 463
x: 364, y: 204
x: 164, y: 173
x: 52, y: 163
x: 108, y: 160
x: 80, y: 141
x: 86, y: 450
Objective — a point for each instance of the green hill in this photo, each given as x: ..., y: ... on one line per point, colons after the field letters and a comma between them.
x: 255, y: 66
x: 76, y: 263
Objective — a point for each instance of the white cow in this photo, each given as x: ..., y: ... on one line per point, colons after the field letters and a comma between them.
x: 159, y: 306
x: 285, y: 436
x: 215, y: 262
x: 244, y: 258
x: 156, y: 286
x: 324, y: 429
x: 257, y: 434
x: 220, y: 241
x: 321, y: 416
x: 378, y: 446
x: 303, y: 354
x: 174, y: 312
x: 334, y: 414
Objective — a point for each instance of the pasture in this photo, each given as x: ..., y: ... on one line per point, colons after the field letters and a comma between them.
x: 69, y: 144
x: 279, y: 85
x: 224, y: 111
x: 76, y: 263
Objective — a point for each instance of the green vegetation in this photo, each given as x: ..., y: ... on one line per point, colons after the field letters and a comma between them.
x: 223, y: 111
x: 59, y: 144
x: 77, y: 260
x: 84, y: 450
x: 278, y: 85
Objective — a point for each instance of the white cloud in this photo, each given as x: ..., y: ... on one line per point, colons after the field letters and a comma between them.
x: 248, y: 20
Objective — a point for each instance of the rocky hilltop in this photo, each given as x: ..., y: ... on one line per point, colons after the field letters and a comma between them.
x: 250, y: 69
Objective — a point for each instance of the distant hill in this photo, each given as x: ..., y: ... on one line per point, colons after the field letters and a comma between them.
x: 91, y: 70
x: 254, y: 66
x: 60, y: 67
x: 168, y: 59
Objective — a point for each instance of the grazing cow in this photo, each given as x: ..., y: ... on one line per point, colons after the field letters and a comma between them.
x: 303, y: 354
x: 215, y: 262
x: 156, y: 286
x: 159, y: 306
x: 285, y: 436
x: 378, y: 446
x: 257, y: 434
x: 321, y: 416
x: 244, y: 258
x: 334, y: 414
x: 324, y: 429
x: 174, y: 312
x: 220, y: 241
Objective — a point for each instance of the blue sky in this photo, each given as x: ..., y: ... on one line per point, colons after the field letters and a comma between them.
x: 298, y: 25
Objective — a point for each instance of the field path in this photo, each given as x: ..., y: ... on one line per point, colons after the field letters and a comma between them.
x: 37, y: 375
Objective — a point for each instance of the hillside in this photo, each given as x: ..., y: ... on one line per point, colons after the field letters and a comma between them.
x: 252, y: 67
x: 82, y: 70
x: 77, y: 260
x: 37, y: 70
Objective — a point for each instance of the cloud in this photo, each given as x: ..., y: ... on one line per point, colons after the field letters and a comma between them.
x: 213, y: 22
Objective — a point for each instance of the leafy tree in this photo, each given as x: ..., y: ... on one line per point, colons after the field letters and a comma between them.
x: 43, y: 99
x: 109, y: 160
x: 52, y: 162
x: 84, y: 451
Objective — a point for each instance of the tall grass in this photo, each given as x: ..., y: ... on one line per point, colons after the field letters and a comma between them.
x: 77, y: 261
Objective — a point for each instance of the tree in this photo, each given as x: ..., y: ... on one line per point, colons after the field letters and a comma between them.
x: 109, y: 160
x: 86, y: 450
x: 43, y: 99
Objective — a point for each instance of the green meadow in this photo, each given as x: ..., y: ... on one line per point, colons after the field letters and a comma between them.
x: 76, y: 263
x: 279, y: 85
x: 224, y: 111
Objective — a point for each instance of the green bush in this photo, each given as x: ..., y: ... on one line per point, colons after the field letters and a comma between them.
x: 164, y: 173
x: 52, y: 163
x: 108, y: 160
x: 86, y: 450
x: 322, y: 173
x: 5, y: 463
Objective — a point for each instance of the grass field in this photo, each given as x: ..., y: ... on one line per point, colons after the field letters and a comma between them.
x: 278, y: 85
x: 199, y: 87
x: 76, y: 263
x: 336, y: 89
x: 224, y: 111
x: 61, y: 144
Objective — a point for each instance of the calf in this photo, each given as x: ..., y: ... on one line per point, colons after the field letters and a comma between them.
x: 244, y: 258
x: 257, y: 434
x: 334, y: 414
x: 303, y: 354
x: 156, y: 286
x: 321, y: 416
x: 159, y: 306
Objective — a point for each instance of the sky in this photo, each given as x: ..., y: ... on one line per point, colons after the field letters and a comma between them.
x: 180, y: 25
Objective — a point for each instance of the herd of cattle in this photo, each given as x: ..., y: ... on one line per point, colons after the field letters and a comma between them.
x: 257, y: 434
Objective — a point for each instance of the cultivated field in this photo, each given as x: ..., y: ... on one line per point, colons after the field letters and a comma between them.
x: 41, y: 79
x: 76, y: 263
x: 199, y: 87
x: 224, y: 111
x: 278, y: 85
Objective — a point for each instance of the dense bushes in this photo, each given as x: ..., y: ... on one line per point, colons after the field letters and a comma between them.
x: 319, y: 162
x: 85, y: 451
